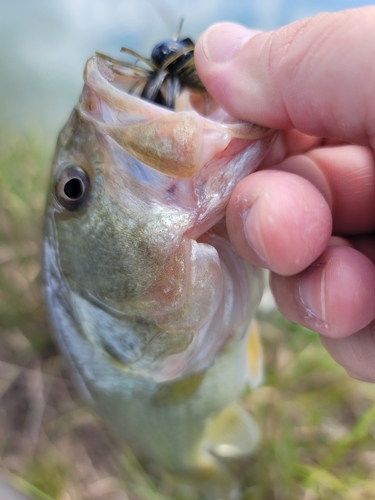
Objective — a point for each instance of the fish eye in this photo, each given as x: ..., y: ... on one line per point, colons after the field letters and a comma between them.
x: 72, y: 187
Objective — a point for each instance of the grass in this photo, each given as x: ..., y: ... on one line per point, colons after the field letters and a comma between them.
x: 318, y: 425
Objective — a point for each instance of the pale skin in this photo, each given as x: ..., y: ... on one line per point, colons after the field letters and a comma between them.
x: 308, y: 214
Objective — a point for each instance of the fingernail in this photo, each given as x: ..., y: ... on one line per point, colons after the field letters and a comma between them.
x: 253, y: 233
x: 312, y: 292
x: 222, y: 41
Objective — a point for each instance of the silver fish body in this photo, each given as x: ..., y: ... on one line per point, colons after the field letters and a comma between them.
x: 149, y: 302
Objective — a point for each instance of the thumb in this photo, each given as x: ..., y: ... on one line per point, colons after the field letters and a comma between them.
x: 316, y: 75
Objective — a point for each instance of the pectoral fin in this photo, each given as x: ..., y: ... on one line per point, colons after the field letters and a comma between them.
x: 254, y: 356
x: 232, y: 434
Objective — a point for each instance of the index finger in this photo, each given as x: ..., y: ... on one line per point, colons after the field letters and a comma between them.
x: 316, y: 75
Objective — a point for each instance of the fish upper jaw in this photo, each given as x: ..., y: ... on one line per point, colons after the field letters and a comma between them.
x: 177, y: 143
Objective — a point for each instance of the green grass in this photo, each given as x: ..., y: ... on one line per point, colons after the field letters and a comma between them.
x: 318, y: 425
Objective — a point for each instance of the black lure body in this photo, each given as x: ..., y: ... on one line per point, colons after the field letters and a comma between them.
x: 171, y: 68
x: 174, y: 61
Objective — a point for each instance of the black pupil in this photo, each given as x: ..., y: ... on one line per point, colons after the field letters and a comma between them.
x: 73, y: 189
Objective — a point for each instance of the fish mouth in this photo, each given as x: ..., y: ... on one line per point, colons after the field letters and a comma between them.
x: 108, y: 79
x: 176, y: 142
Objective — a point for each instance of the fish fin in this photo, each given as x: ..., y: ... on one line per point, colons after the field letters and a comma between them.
x: 254, y: 356
x: 232, y: 434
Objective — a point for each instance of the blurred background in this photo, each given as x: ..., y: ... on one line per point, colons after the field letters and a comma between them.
x: 45, y: 44
x: 318, y: 425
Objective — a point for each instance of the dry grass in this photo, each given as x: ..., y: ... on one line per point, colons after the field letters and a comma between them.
x: 318, y: 425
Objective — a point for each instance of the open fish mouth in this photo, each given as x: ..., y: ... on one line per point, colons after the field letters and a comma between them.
x: 177, y: 144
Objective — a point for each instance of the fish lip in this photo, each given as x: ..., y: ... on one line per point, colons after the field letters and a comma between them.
x: 103, y: 91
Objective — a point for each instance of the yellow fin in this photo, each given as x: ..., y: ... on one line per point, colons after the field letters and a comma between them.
x: 254, y: 356
x: 232, y: 434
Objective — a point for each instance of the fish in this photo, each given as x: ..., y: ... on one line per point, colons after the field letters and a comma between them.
x: 150, y: 303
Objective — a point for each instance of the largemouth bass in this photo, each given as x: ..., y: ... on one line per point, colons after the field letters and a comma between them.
x: 149, y: 301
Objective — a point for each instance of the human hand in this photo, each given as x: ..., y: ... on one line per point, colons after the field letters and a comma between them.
x: 314, y: 79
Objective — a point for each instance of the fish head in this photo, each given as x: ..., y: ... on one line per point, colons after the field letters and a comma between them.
x: 131, y: 179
